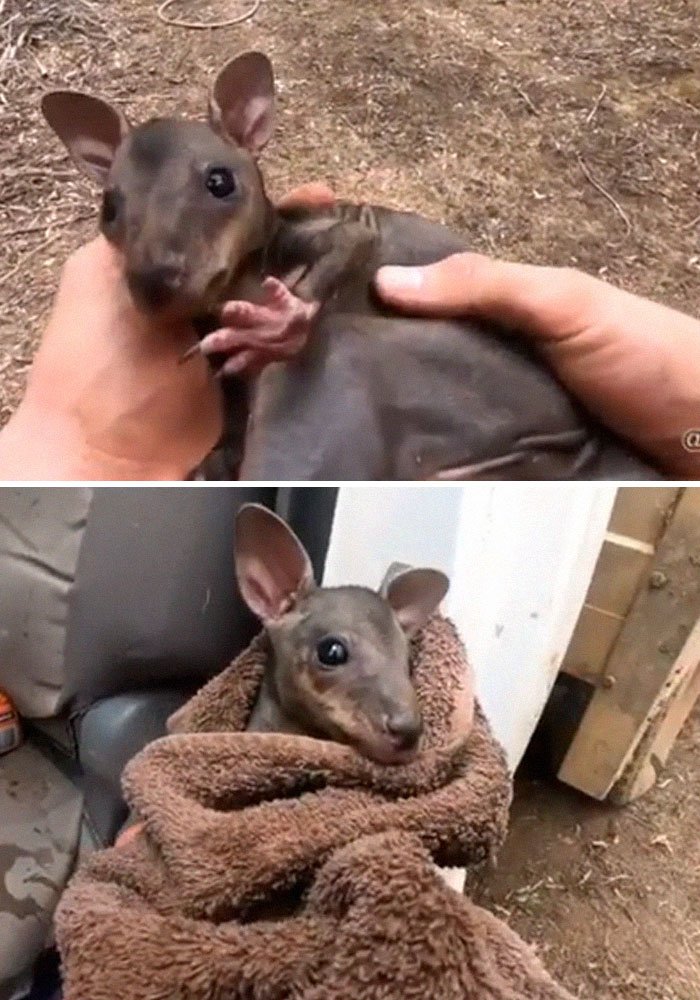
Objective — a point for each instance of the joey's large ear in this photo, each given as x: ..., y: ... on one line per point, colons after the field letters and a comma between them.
x: 414, y: 594
x: 90, y: 129
x: 242, y: 102
x: 273, y: 568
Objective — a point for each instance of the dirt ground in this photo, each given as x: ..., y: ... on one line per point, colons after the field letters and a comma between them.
x: 563, y: 131
x: 610, y: 897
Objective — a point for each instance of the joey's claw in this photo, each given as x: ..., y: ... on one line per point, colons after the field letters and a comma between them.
x: 190, y: 353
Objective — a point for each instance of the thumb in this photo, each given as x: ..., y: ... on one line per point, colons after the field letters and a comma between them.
x: 131, y: 833
x: 315, y: 194
x: 546, y: 302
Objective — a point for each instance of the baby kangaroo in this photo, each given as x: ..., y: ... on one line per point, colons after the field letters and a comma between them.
x: 339, y: 666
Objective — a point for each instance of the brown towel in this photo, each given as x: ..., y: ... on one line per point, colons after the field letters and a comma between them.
x: 277, y: 867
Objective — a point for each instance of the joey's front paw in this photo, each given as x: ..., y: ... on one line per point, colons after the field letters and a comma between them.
x: 253, y: 335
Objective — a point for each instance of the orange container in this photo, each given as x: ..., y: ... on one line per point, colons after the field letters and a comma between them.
x: 10, y: 729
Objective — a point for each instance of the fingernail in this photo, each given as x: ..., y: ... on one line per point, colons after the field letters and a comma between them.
x: 397, y: 279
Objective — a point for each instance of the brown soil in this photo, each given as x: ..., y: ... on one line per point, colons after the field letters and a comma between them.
x: 610, y: 897
x: 562, y: 131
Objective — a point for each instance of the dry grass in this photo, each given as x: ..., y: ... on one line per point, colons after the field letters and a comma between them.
x: 552, y: 130
x: 26, y: 26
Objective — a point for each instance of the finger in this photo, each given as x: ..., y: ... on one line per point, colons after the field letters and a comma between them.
x: 305, y: 312
x: 314, y: 194
x: 98, y: 257
x: 544, y: 301
x: 269, y: 335
x: 277, y: 295
x: 238, y: 364
x: 224, y: 341
x: 244, y: 314
x: 95, y: 265
x: 129, y: 835
x: 279, y: 298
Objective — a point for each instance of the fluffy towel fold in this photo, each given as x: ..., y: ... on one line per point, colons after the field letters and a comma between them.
x: 279, y: 867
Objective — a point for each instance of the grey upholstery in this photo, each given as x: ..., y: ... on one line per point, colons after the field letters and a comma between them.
x: 154, y: 599
x: 41, y: 531
x: 115, y: 605
x: 41, y: 813
x: 109, y: 733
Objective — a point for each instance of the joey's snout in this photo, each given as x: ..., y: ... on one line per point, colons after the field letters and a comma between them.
x: 155, y: 287
x: 404, y: 728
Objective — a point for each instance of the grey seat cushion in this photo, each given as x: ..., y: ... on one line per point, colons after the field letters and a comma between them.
x: 41, y: 531
x: 39, y: 835
x: 114, y: 589
x: 154, y: 602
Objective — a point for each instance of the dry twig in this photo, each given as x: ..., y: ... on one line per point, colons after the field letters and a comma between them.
x: 606, y: 194
x: 594, y: 110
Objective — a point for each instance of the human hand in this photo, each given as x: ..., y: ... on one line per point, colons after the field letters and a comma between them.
x: 634, y: 364
x: 107, y: 397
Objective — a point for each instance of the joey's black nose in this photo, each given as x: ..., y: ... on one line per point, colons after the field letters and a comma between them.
x: 154, y: 287
x: 405, y: 729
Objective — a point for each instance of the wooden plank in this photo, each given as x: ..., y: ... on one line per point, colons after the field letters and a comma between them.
x: 591, y: 643
x: 621, y: 565
x: 643, y: 658
x: 673, y: 706
x: 638, y: 517
x: 642, y: 511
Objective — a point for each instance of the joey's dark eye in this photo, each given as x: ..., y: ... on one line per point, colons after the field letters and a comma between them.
x: 110, y: 207
x: 221, y: 182
x: 332, y: 652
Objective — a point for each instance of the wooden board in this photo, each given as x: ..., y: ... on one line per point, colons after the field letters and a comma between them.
x: 671, y: 708
x: 618, y: 574
x: 595, y: 633
x: 638, y: 518
x: 642, y: 512
x: 650, y: 668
